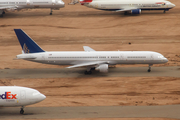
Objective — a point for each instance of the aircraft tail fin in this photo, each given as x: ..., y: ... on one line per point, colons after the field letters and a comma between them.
x: 85, y: 1
x: 27, y: 44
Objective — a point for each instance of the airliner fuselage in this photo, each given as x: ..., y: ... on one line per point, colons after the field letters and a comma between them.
x: 111, y: 57
x: 133, y: 6
x: 11, y: 5
x: 14, y: 96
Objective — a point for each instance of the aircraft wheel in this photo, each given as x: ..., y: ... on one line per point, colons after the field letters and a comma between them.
x: 1, y: 15
x: 90, y: 72
x: 86, y: 72
x: 125, y: 13
x: 149, y: 70
x: 21, y: 111
x: 3, y: 12
x: 50, y: 13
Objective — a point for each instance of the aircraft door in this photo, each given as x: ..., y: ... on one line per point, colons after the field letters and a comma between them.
x: 23, y: 94
x: 151, y: 57
x: 43, y: 57
x: 96, y: 5
x: 121, y: 57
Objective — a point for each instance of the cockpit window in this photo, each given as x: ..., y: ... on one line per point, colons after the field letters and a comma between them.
x: 161, y: 57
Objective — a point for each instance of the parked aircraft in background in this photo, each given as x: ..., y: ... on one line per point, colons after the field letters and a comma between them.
x: 12, y: 5
x: 14, y: 96
x: 93, y: 60
x: 128, y: 6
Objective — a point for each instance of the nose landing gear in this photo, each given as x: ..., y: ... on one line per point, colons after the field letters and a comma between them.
x: 149, y: 70
x: 89, y: 71
x: 166, y: 10
x: 22, y: 110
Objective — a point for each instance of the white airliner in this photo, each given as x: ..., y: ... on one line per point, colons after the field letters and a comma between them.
x: 93, y: 60
x: 14, y: 96
x: 12, y: 5
x: 128, y: 6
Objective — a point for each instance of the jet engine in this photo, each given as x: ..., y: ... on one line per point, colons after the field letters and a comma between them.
x: 102, y: 68
x: 136, y: 11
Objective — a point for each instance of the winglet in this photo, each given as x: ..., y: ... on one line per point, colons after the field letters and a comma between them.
x: 88, y: 49
x: 27, y: 44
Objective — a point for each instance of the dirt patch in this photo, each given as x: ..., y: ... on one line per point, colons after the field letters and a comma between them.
x: 104, y: 91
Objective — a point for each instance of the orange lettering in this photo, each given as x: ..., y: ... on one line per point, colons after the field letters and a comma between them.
x: 8, y: 95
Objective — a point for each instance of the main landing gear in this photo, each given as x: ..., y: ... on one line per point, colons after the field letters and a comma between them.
x: 149, y: 70
x: 126, y: 13
x: 51, y: 12
x: 22, y: 110
x: 89, y: 71
x: 166, y: 10
x: 2, y: 13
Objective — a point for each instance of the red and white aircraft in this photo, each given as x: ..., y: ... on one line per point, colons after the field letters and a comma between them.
x: 128, y: 6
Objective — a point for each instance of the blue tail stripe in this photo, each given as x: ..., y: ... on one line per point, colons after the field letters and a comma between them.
x: 27, y: 44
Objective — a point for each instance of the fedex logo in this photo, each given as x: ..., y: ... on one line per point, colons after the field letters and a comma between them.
x: 8, y: 95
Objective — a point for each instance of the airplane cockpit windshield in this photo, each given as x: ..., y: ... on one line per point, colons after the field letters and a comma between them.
x: 161, y: 56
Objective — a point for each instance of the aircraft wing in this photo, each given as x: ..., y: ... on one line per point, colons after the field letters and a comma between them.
x: 8, y: 7
x: 88, y: 64
x: 88, y: 49
x: 126, y: 9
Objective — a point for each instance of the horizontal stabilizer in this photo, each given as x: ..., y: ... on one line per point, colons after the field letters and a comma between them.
x: 88, y: 49
x: 25, y: 56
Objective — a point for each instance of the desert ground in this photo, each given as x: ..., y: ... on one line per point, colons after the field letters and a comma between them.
x: 75, y: 26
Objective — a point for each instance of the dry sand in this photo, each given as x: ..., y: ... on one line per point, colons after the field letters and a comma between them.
x: 104, y: 91
x: 75, y: 26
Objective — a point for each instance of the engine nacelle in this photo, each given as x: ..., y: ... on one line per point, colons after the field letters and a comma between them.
x: 102, y: 68
x: 136, y: 11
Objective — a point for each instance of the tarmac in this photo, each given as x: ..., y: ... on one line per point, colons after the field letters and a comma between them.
x: 172, y: 71
x: 169, y: 111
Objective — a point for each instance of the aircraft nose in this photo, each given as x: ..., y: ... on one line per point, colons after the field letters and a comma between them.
x: 173, y: 5
x: 61, y: 3
x: 42, y: 97
x: 166, y: 60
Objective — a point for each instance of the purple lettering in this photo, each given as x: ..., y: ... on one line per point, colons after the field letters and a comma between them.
x: 3, y: 96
